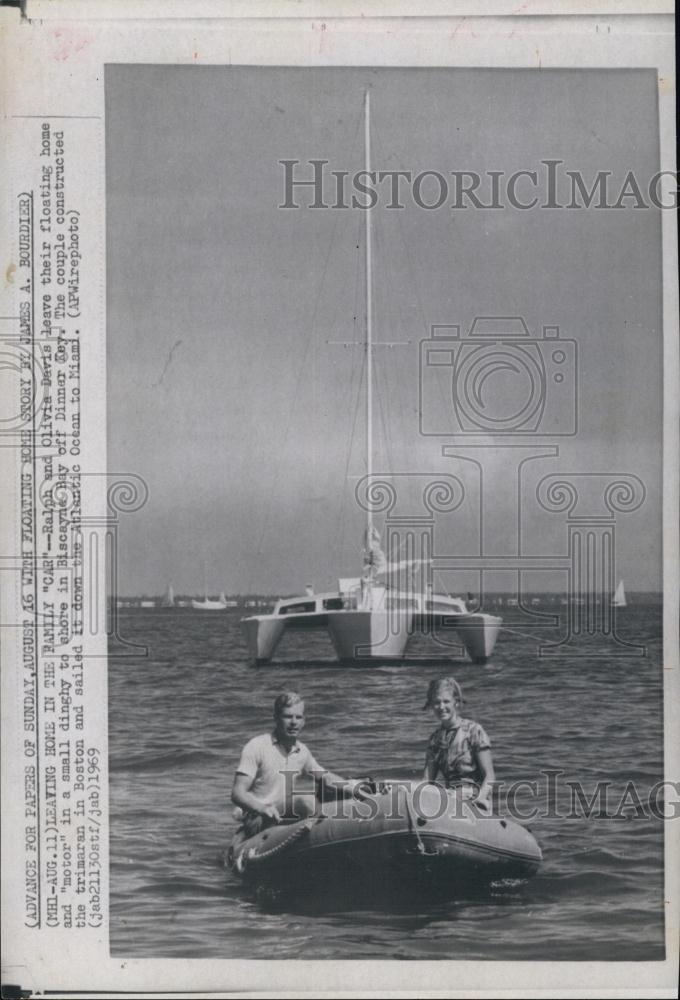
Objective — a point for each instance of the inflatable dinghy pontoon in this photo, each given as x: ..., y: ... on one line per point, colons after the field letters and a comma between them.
x: 423, y: 836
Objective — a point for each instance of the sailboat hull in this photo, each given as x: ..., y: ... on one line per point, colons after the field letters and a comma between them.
x: 478, y: 633
x: 366, y: 635
x: 369, y: 635
x: 262, y: 633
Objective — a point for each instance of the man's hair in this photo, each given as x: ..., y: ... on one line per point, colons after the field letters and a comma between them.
x: 286, y: 700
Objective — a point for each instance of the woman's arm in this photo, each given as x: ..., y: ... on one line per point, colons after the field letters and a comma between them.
x: 243, y: 797
x: 485, y: 762
x: 430, y: 772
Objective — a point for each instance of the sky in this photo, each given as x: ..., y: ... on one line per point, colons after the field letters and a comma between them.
x: 230, y: 388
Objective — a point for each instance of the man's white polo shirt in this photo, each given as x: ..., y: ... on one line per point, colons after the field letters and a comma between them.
x: 266, y: 761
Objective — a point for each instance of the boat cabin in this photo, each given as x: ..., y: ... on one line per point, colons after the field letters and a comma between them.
x: 349, y: 599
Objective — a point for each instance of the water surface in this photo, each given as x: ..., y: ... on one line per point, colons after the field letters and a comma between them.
x: 180, y: 715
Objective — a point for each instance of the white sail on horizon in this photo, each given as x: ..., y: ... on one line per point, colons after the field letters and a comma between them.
x: 619, y: 598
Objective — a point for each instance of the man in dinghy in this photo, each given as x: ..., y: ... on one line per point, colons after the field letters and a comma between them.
x: 270, y: 765
x: 459, y: 750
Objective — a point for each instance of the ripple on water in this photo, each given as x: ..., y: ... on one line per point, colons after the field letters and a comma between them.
x: 179, y: 717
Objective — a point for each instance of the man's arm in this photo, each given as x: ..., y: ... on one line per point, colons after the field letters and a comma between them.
x: 243, y: 797
x: 339, y: 784
x: 332, y: 781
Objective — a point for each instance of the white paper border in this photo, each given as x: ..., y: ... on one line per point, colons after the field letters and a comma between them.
x: 123, y: 33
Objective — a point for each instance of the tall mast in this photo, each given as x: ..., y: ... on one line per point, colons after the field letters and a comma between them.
x: 369, y: 315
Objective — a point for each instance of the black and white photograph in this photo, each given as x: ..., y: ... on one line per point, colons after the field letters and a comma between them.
x: 385, y: 347
x: 339, y: 437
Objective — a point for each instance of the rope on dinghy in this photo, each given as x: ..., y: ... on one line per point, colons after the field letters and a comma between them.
x: 251, y: 854
x: 413, y: 824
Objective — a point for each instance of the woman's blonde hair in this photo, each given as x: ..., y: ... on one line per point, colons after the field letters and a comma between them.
x: 444, y: 684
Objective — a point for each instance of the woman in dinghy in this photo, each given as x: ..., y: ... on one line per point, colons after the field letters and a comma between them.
x: 459, y: 750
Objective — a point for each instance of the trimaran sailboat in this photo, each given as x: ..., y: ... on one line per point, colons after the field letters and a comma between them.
x: 369, y: 618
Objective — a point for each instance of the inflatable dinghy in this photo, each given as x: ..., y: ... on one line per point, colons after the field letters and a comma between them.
x: 408, y: 836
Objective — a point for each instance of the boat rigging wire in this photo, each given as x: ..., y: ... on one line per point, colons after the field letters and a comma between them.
x: 340, y: 532
x: 348, y: 458
x: 310, y: 339
x: 525, y: 635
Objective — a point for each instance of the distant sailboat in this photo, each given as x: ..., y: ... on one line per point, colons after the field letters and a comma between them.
x: 619, y: 598
x: 208, y: 605
x: 168, y: 600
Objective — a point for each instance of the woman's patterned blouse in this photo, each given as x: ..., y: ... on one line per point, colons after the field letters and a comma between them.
x: 454, y: 752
